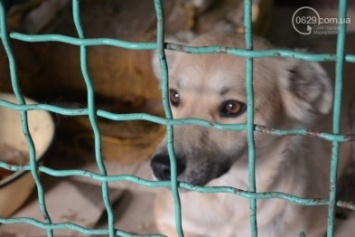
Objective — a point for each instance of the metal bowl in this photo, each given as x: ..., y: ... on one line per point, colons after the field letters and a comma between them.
x: 17, y: 186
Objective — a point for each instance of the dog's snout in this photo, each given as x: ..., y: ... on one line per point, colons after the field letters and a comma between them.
x: 160, y: 165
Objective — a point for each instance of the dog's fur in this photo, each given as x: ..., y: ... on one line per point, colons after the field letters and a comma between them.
x: 289, y: 94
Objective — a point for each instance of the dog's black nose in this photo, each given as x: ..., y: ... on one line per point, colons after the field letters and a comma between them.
x: 160, y: 165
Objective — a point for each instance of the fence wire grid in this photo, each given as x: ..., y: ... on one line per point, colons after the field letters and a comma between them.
x: 93, y: 113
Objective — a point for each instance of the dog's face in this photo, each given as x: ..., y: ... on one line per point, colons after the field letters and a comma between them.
x: 212, y: 87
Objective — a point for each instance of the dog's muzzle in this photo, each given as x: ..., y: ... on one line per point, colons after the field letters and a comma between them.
x: 160, y: 165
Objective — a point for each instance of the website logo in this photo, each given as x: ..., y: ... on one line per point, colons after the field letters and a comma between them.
x: 306, y: 21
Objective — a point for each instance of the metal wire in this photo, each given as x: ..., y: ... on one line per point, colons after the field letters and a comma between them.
x: 93, y: 120
x: 93, y: 113
x: 24, y: 118
x: 169, y: 129
x: 337, y: 116
x: 249, y: 68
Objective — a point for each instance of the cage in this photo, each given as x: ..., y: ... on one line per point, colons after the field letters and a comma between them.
x: 93, y: 115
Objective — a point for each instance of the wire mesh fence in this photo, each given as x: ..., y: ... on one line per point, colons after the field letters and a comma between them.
x: 93, y: 113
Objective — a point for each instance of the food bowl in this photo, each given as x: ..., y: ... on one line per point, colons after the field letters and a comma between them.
x: 15, y: 187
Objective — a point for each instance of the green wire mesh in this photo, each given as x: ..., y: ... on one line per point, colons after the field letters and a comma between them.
x: 93, y: 113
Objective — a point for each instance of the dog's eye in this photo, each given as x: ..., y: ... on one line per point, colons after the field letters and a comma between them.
x: 232, y: 108
x: 174, y: 97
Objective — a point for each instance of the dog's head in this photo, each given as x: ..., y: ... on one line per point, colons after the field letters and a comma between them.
x: 288, y: 93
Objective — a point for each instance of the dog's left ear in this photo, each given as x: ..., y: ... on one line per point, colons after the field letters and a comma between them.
x: 307, y: 90
x: 179, y: 38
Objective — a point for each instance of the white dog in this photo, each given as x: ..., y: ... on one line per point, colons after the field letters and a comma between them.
x: 289, y: 94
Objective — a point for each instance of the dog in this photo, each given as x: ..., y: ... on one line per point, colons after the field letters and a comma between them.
x: 288, y: 94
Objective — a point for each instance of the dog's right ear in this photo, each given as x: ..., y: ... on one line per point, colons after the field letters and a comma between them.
x: 306, y: 90
x: 179, y: 38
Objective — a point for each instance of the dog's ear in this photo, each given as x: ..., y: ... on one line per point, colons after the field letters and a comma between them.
x: 179, y: 38
x: 306, y: 90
